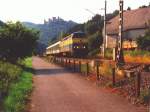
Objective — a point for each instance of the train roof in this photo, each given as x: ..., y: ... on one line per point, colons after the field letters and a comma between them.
x: 57, y: 43
x: 73, y: 34
x: 78, y: 32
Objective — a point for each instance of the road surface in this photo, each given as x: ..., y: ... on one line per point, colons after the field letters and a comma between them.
x: 58, y: 90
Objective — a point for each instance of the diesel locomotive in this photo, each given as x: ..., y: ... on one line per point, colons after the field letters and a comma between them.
x: 74, y: 45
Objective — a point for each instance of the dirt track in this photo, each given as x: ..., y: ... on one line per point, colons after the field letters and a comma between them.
x: 58, y: 90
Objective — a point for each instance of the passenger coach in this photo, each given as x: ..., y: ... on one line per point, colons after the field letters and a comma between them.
x: 74, y: 45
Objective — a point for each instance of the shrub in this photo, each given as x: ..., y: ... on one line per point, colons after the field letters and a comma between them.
x: 16, y: 100
x: 94, y: 52
x: 144, y: 42
x: 19, y: 91
x: 137, y: 53
x: 17, y: 41
x: 94, y: 41
x: 109, y: 53
x: 9, y: 73
x: 106, y: 69
x: 145, y: 96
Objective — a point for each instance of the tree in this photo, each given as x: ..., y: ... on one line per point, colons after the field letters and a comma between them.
x: 129, y: 8
x: 17, y: 41
x: 143, y: 6
x: 112, y: 15
x: 94, y: 25
x: 94, y: 41
x: 144, y: 42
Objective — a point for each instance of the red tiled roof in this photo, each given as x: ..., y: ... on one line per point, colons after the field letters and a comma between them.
x: 133, y: 19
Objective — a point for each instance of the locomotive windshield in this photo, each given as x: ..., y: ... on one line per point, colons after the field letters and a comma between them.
x: 79, y: 35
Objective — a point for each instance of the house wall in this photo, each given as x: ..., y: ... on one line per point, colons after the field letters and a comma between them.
x: 131, y: 34
x: 111, y: 41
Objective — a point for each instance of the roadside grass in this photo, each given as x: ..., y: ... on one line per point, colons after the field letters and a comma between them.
x: 9, y: 74
x: 137, y: 53
x: 19, y: 91
x: 137, y: 56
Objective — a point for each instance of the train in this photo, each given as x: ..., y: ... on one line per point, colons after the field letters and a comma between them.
x: 73, y: 45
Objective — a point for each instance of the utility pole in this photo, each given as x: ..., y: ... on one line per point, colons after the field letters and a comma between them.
x: 104, y: 38
x: 120, y: 57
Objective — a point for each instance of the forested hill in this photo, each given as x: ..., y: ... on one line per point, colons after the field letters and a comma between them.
x: 93, y: 29
x: 51, y: 28
x: 1, y: 23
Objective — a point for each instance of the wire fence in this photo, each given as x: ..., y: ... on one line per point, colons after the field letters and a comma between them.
x: 134, y: 85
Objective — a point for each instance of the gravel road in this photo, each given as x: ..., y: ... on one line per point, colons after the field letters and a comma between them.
x: 58, y: 90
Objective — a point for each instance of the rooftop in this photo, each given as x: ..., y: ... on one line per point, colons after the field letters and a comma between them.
x: 133, y: 19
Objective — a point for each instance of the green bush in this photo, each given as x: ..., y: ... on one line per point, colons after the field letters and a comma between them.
x: 145, y: 96
x: 16, y: 100
x: 137, y: 53
x: 94, y: 41
x: 94, y: 52
x: 9, y: 73
x: 144, y: 42
x: 109, y: 53
x: 19, y: 91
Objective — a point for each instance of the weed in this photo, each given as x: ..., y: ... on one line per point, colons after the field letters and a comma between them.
x: 19, y: 91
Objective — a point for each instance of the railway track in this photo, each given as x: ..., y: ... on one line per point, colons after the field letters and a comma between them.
x: 106, y: 60
x: 128, y: 65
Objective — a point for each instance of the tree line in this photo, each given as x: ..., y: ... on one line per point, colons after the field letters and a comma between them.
x: 93, y: 29
x: 16, y: 41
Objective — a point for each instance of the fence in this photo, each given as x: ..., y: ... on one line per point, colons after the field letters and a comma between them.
x: 133, y: 83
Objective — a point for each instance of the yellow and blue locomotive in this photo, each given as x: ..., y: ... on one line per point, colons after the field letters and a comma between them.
x: 74, y: 45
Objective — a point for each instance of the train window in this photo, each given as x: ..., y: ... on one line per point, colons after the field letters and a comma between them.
x: 79, y: 35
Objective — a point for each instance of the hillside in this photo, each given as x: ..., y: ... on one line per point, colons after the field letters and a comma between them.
x: 51, y: 28
x: 1, y: 23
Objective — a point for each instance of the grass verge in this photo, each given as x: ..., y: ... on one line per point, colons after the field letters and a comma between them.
x: 19, y: 91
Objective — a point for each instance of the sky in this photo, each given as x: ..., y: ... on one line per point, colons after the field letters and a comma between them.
x: 37, y: 10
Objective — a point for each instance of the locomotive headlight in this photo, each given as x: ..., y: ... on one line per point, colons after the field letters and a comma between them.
x: 84, y: 47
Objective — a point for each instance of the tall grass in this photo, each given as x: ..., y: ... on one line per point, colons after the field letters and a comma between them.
x: 9, y: 73
x: 137, y: 53
x: 138, y: 56
x: 19, y: 91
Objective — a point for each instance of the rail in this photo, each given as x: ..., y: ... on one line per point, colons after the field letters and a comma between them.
x: 93, y: 67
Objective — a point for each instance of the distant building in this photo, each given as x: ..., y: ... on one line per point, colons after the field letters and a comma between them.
x: 135, y: 23
x: 53, y: 19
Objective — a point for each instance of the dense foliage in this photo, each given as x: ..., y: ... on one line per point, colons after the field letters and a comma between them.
x: 9, y: 73
x: 49, y: 30
x: 93, y: 29
x: 18, y: 93
x: 144, y: 42
x: 16, y: 41
x: 135, y: 53
x: 95, y: 40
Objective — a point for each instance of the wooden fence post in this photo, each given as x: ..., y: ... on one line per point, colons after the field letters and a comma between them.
x: 138, y: 81
x: 113, y: 77
x: 61, y: 61
x: 66, y: 64
x: 74, y: 65
x: 69, y: 65
x: 79, y: 66
x: 97, y: 71
x: 87, y: 69
x: 56, y: 61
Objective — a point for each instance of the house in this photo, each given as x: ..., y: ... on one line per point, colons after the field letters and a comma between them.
x: 135, y: 24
